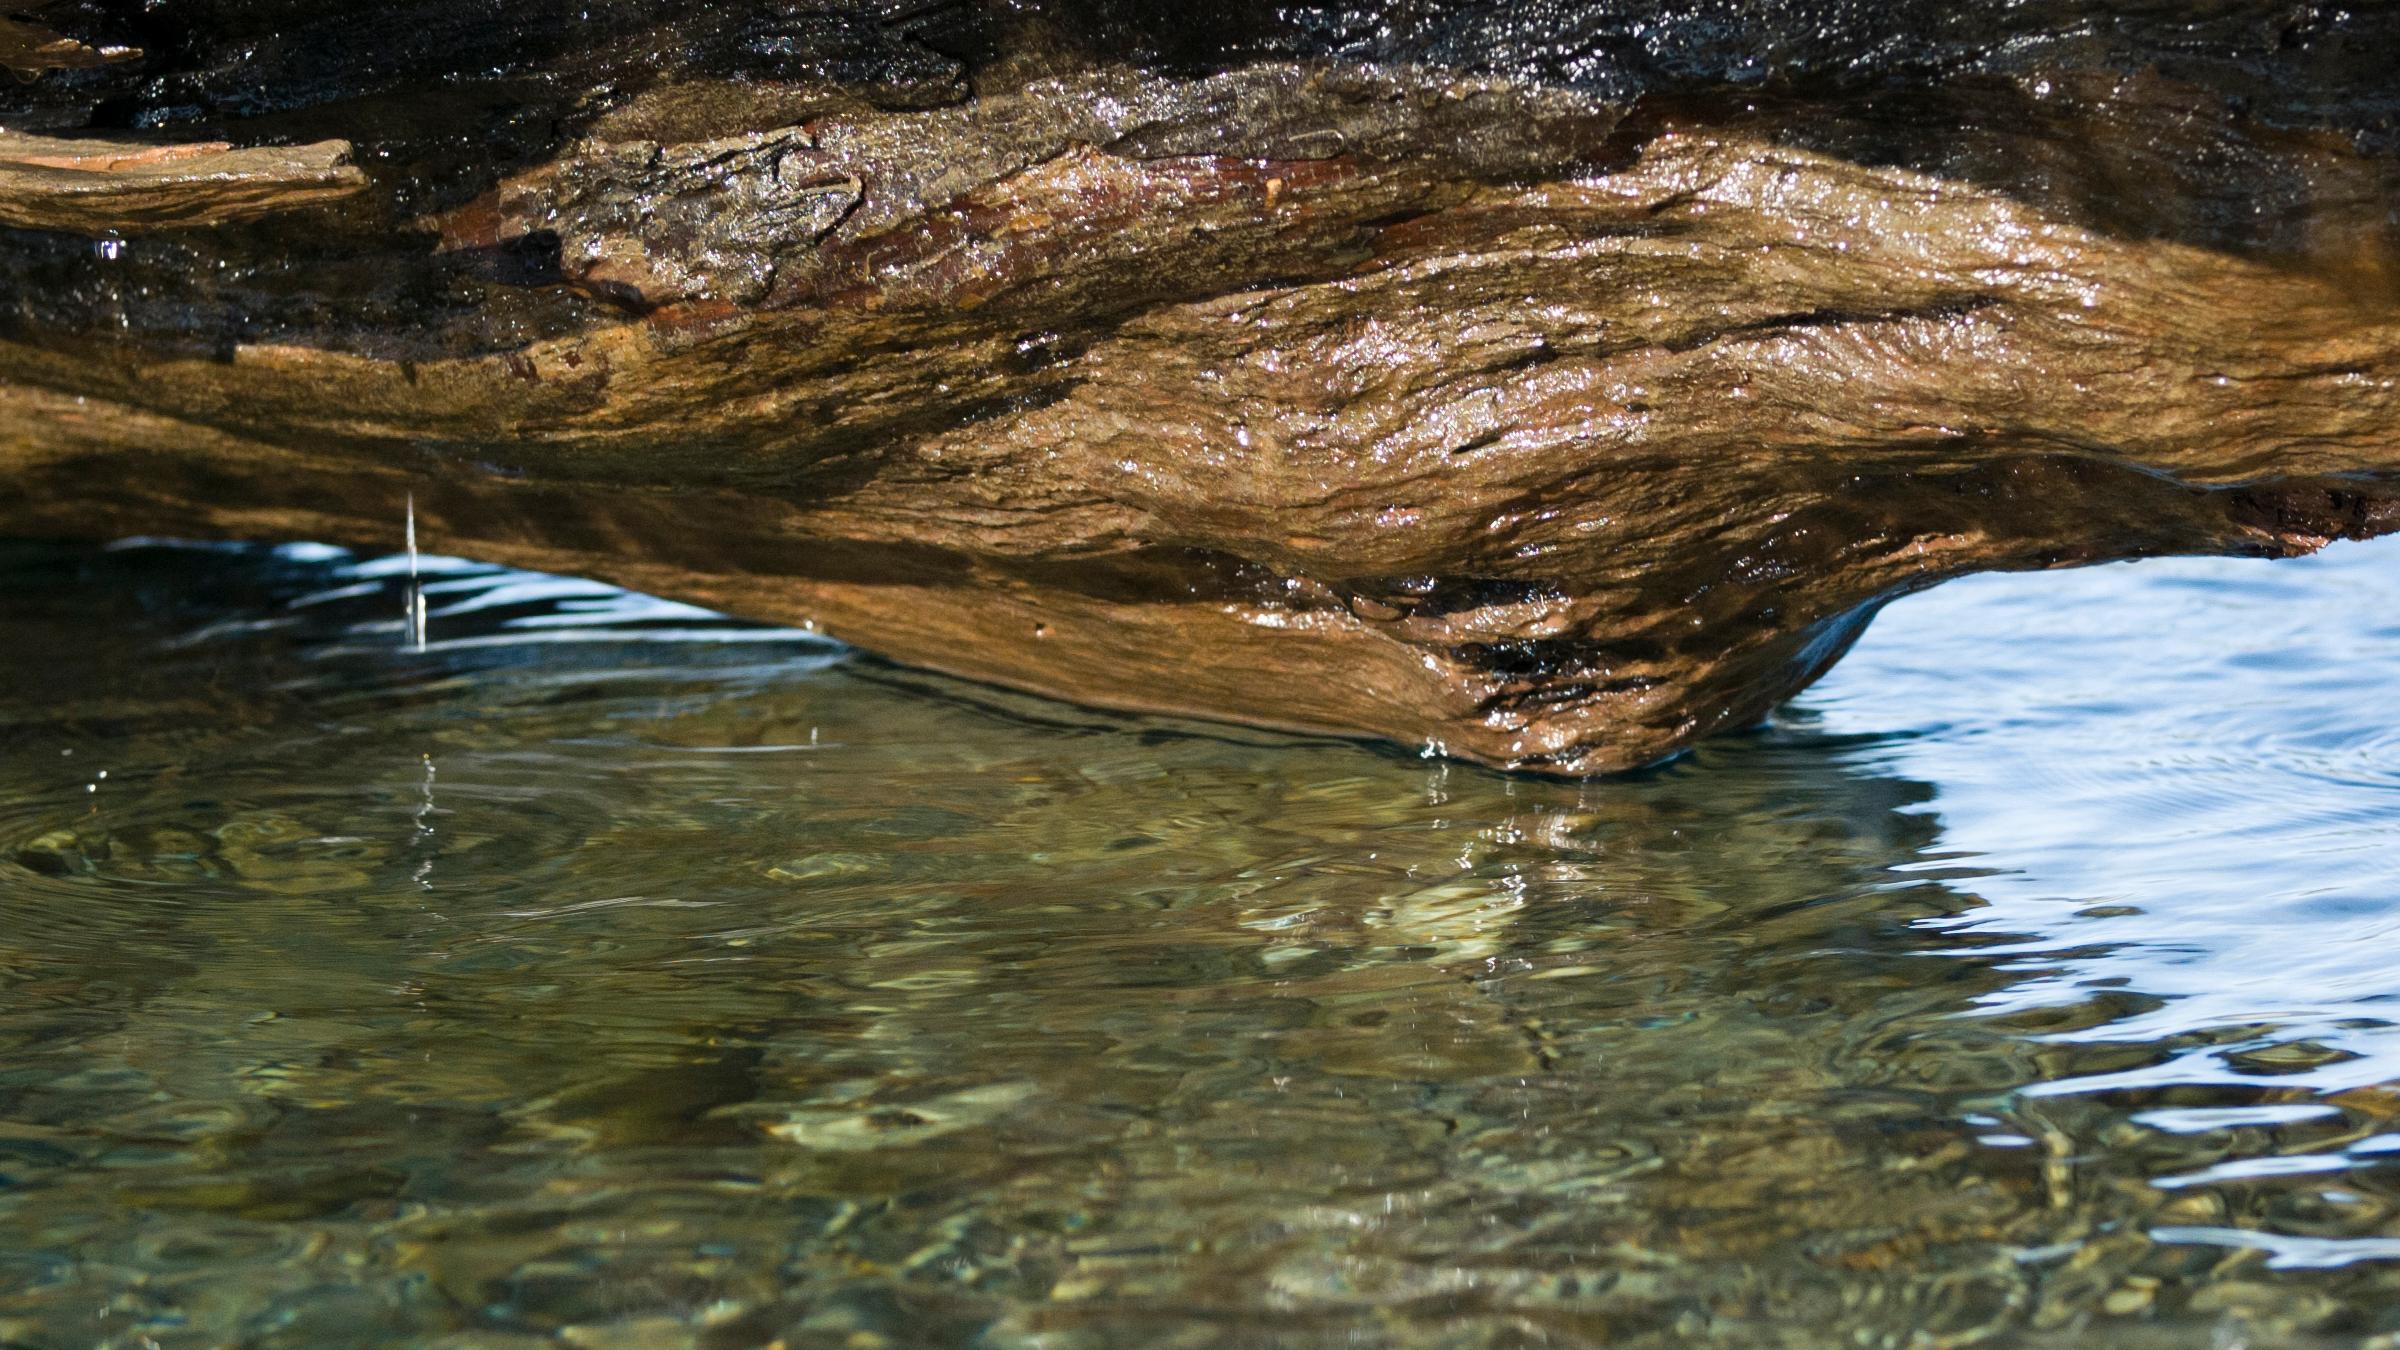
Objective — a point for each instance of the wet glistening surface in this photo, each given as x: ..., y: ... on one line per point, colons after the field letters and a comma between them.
x: 610, y: 973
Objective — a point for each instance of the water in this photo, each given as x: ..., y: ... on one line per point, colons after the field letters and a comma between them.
x: 611, y: 974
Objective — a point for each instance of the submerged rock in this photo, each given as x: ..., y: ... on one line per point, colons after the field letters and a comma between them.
x: 1545, y: 418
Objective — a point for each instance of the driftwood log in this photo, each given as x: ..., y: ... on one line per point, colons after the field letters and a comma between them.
x: 1549, y: 385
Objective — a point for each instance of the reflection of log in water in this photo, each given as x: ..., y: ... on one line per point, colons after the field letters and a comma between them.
x: 978, y: 1012
x: 1497, y: 410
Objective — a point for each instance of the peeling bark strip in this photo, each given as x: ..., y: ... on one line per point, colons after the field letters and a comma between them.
x: 28, y: 51
x: 1469, y: 412
x: 99, y: 187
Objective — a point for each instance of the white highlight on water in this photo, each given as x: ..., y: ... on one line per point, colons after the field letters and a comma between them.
x: 416, y: 592
x: 423, y: 840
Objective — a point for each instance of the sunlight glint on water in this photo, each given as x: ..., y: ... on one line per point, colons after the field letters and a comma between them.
x: 609, y: 969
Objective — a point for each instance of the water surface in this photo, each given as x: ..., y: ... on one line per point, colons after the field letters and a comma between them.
x: 611, y: 974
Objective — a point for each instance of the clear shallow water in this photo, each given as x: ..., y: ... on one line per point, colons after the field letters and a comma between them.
x: 610, y: 974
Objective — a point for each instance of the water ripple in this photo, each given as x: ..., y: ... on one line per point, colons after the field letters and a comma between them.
x: 610, y: 971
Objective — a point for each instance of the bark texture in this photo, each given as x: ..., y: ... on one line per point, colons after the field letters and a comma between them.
x: 101, y: 187
x: 1548, y: 419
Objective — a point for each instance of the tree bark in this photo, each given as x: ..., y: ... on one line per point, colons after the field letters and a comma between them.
x: 1551, y: 408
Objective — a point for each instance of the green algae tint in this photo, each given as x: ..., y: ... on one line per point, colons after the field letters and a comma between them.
x: 610, y: 974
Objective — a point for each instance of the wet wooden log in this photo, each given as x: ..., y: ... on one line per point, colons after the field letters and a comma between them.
x: 1497, y: 414
x: 99, y: 187
x: 29, y: 51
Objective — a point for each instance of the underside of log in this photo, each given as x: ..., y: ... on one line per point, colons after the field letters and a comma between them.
x: 1549, y: 404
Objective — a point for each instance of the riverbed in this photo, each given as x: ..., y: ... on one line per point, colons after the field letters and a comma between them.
x: 609, y: 972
